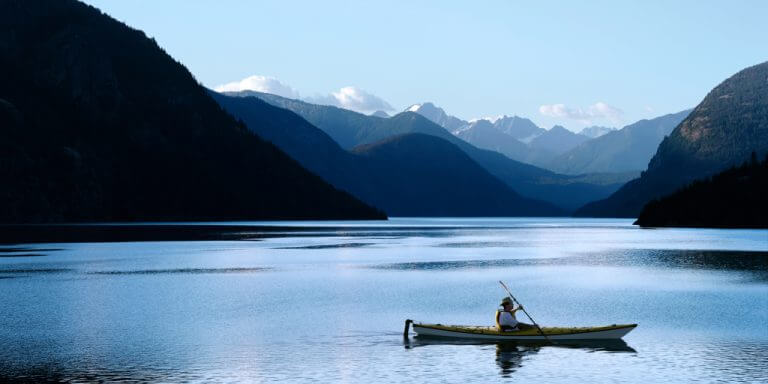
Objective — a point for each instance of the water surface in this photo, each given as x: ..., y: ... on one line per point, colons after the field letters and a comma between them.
x: 326, y: 301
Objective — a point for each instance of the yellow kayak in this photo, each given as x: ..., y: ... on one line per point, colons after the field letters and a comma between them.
x: 614, y: 331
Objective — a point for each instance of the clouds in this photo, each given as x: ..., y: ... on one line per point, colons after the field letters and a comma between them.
x: 350, y: 97
x: 596, y: 111
x: 353, y: 98
x: 264, y: 84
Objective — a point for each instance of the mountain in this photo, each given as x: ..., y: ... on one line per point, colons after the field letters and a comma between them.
x: 625, y: 150
x: 404, y: 175
x: 734, y: 198
x: 483, y: 134
x: 98, y: 123
x: 438, y: 116
x: 722, y: 131
x: 595, y: 131
x: 557, y: 140
x: 516, y: 137
x: 427, y: 175
x: 305, y: 143
x: 507, y: 135
x: 350, y: 129
x: 381, y: 114
x: 520, y: 128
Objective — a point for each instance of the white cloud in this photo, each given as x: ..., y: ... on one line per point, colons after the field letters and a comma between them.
x: 351, y: 98
x: 264, y: 84
x: 354, y: 99
x: 596, y: 111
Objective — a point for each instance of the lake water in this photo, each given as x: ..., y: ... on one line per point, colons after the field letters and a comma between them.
x: 326, y: 302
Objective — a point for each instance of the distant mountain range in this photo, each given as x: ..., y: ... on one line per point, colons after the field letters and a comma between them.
x: 557, y: 140
x: 350, y: 129
x: 595, y: 131
x: 722, y: 131
x: 408, y: 174
x: 483, y: 134
x: 625, y: 150
x: 98, y: 123
x: 518, y: 127
x: 438, y: 116
x: 519, y: 139
x: 593, y: 150
x: 381, y: 114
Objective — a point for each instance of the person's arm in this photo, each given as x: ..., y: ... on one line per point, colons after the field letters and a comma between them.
x: 517, y: 309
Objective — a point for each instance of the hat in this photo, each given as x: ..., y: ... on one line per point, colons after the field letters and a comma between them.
x: 506, y: 301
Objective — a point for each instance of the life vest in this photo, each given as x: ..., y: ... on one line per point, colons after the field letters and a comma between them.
x: 498, y: 320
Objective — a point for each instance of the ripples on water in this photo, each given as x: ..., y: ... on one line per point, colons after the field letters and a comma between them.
x: 325, y: 302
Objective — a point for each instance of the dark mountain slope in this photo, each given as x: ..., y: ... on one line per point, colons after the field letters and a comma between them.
x: 383, y: 177
x: 722, y: 131
x: 304, y: 142
x: 350, y: 128
x: 100, y: 124
x: 735, y: 198
x: 433, y: 174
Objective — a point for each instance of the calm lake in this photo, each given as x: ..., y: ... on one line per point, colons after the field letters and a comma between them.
x: 326, y: 302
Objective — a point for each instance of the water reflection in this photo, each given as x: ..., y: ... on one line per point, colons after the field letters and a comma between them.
x: 185, y: 271
x: 511, y: 355
x: 752, y: 261
x: 329, y: 246
x: 8, y: 252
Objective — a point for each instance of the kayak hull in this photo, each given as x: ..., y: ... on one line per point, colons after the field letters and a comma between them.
x: 610, y: 332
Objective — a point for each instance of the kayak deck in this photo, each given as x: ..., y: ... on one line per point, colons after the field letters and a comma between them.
x: 614, y: 331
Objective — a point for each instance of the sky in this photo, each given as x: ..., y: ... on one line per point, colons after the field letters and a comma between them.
x: 570, y: 63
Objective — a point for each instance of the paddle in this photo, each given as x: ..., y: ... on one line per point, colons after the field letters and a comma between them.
x: 524, y: 311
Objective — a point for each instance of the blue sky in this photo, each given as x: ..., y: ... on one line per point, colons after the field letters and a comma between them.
x: 569, y: 63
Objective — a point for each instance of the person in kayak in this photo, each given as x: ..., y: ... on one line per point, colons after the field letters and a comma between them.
x: 506, y: 320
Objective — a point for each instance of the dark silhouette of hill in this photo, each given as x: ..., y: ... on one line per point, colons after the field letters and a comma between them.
x: 405, y: 175
x: 735, y: 198
x: 304, y: 142
x: 98, y: 123
x: 625, y: 150
x: 432, y: 174
x: 729, y: 124
x: 350, y: 129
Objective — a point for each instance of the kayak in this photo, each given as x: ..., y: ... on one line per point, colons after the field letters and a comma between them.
x: 614, y: 331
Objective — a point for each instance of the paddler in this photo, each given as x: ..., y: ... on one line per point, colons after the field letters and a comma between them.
x: 506, y: 320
